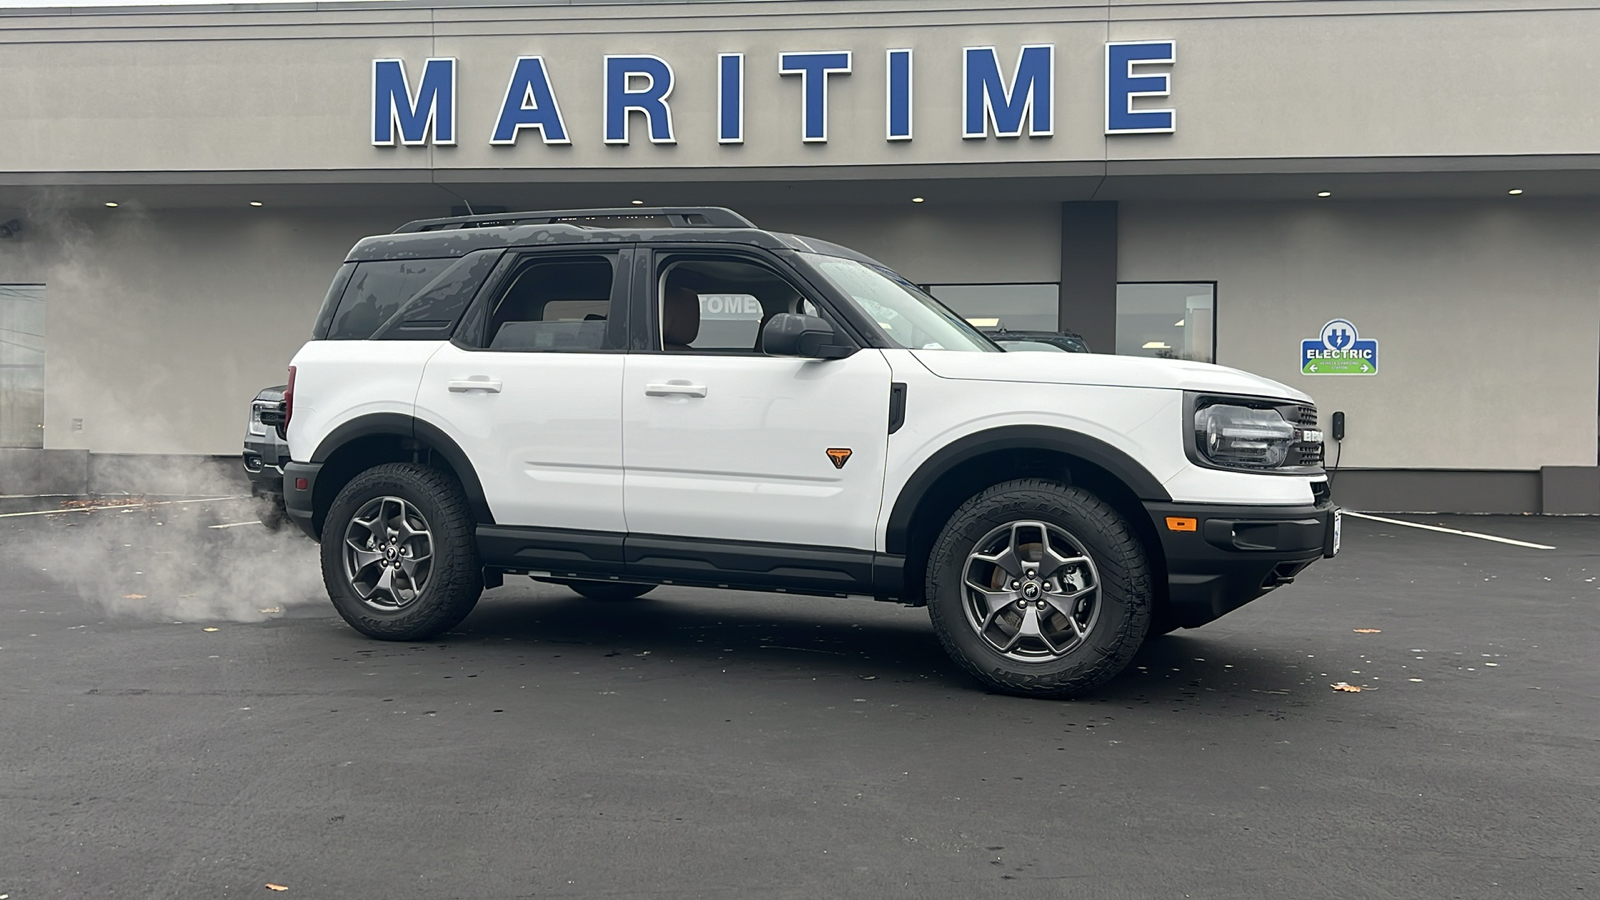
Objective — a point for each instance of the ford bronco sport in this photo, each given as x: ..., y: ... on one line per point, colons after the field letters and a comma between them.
x: 619, y: 399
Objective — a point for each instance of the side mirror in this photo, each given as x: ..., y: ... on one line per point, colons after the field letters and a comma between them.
x: 808, y: 337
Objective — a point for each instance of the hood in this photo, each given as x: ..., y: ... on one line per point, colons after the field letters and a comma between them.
x: 1103, y: 369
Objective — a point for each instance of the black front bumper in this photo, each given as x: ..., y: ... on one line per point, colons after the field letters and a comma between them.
x: 1221, y: 557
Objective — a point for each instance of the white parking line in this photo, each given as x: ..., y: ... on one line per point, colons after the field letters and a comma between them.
x: 234, y: 524
x: 122, y: 506
x: 1444, y: 530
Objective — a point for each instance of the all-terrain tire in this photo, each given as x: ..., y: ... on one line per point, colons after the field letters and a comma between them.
x: 1114, y: 631
x: 454, y: 580
x: 609, y: 590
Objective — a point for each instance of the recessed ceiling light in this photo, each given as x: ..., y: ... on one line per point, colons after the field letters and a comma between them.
x: 638, y: 203
x: 111, y: 203
x: 1178, y: 324
x: 1156, y: 345
x: 1514, y: 191
x: 1324, y: 193
x: 916, y: 200
x: 255, y: 202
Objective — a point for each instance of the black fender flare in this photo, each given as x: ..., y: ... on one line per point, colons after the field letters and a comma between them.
x: 1014, y: 437
x: 414, y: 429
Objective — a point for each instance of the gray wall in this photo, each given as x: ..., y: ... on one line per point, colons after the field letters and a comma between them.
x: 1487, y: 316
x: 277, y: 90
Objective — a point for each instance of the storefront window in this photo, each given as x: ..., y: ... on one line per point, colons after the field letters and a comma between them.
x: 22, y: 365
x: 1013, y: 307
x: 1172, y: 320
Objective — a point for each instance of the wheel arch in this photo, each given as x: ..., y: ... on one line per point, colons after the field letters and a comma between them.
x: 970, y: 464
x: 377, y: 438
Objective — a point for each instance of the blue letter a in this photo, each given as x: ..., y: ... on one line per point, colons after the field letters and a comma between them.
x: 530, y: 103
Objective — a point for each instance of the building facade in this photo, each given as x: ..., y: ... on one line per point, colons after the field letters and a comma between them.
x: 1393, y: 205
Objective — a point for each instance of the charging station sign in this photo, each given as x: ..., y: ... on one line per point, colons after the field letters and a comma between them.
x: 1339, y: 350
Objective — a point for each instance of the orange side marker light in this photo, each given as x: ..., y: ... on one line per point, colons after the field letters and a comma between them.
x: 1181, y: 523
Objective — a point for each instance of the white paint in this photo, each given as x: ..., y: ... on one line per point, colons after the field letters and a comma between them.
x: 1443, y: 530
x: 120, y: 506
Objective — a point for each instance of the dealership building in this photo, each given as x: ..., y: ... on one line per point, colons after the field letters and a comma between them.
x: 1392, y: 205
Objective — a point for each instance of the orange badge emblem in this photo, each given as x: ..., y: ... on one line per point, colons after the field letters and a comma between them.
x: 839, y: 455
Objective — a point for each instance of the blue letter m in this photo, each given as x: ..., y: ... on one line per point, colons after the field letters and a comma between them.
x: 990, y: 101
x: 433, y: 106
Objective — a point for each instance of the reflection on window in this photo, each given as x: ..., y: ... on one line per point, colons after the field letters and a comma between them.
x: 22, y: 365
x: 1169, y: 320
x: 1009, y: 307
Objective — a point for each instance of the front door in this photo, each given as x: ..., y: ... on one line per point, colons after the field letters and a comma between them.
x: 723, y: 442
x: 531, y: 390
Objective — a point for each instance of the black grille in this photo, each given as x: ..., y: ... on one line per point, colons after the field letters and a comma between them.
x: 1304, y: 453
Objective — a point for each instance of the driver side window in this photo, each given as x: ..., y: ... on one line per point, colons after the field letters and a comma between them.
x: 720, y: 305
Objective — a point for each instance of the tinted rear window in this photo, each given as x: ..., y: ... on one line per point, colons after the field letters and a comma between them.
x: 432, y: 313
x: 377, y: 291
x: 330, y: 303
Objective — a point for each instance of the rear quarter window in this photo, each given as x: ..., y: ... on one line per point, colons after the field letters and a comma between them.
x: 376, y: 292
x: 432, y: 313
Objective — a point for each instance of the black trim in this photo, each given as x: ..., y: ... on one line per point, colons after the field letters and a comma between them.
x: 678, y: 216
x: 702, y: 562
x: 1015, y: 437
x: 298, y: 504
x: 412, y: 429
x: 897, y: 405
x: 1236, y: 553
x: 560, y: 551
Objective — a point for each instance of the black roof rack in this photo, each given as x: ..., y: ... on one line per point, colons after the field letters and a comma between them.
x: 622, y: 217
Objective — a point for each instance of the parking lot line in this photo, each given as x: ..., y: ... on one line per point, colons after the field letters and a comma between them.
x: 234, y: 524
x: 57, y: 512
x: 1441, y: 528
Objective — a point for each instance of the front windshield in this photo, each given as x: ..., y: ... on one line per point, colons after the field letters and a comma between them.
x: 912, y: 319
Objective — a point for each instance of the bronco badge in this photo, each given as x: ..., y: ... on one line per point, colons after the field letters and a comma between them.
x: 839, y: 455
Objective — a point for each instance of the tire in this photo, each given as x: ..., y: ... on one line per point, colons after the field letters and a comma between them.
x: 425, y: 577
x: 609, y: 590
x: 1071, y: 621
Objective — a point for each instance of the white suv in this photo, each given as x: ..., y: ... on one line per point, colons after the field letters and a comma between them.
x: 616, y: 399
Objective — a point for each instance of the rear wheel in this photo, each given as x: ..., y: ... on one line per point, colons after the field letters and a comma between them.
x: 399, y: 556
x: 609, y: 590
x: 1039, y: 588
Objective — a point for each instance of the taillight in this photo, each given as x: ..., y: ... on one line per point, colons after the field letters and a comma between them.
x: 288, y: 406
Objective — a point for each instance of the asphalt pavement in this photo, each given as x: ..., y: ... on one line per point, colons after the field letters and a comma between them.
x: 184, y: 716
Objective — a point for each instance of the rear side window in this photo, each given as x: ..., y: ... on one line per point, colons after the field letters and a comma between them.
x: 557, y: 304
x: 377, y: 291
x: 330, y: 303
x: 431, y: 314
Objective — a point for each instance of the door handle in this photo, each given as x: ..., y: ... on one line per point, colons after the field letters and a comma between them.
x: 475, y: 383
x: 674, y: 389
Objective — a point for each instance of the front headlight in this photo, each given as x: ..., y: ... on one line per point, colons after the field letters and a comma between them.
x: 1238, y: 436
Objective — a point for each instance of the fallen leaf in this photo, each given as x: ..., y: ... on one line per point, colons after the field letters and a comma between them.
x: 210, y: 629
x: 275, y: 887
x: 133, y: 596
x: 1343, y: 686
x: 1369, y: 631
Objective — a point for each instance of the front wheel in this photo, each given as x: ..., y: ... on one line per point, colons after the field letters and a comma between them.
x: 1039, y: 588
x: 399, y: 556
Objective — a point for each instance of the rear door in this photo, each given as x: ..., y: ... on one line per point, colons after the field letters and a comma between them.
x: 530, y: 388
x: 724, y: 442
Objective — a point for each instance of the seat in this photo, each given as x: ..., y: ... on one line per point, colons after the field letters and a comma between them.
x: 680, y: 319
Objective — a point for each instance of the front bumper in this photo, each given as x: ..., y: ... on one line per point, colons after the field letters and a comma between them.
x: 263, y: 464
x: 1221, y: 557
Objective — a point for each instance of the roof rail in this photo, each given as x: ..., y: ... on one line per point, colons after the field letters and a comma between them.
x: 675, y: 216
